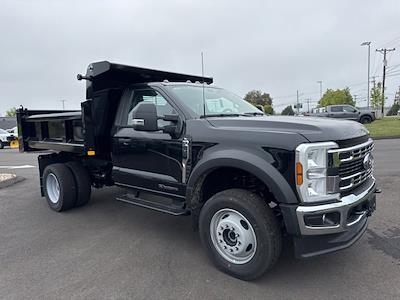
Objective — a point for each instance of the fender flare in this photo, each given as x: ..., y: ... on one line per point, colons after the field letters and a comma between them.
x: 244, y: 160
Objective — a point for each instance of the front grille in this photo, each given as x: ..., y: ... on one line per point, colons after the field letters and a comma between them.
x: 352, y: 164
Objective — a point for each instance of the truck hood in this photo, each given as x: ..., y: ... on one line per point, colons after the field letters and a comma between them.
x: 313, y: 129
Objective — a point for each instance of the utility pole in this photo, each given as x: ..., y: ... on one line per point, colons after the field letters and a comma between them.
x: 369, y: 60
x: 355, y: 99
x: 308, y: 104
x: 320, y: 89
x: 63, y: 103
x: 297, y: 102
x: 384, y: 51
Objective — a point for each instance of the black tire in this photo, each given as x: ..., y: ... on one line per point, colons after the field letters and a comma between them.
x: 263, y: 222
x: 365, y: 120
x: 67, y: 188
x: 82, y: 182
x: 1, y: 145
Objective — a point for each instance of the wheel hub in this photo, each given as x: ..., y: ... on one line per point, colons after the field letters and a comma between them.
x: 53, y: 188
x: 233, y: 236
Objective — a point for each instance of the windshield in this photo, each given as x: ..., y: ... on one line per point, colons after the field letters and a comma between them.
x: 218, y: 102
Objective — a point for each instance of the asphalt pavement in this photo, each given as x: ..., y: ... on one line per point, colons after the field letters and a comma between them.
x: 112, y: 250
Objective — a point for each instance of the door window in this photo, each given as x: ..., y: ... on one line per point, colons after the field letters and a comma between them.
x: 349, y: 109
x: 162, y: 105
x: 337, y: 109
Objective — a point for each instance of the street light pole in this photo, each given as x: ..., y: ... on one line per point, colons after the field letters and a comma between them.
x: 369, y: 61
x: 320, y: 89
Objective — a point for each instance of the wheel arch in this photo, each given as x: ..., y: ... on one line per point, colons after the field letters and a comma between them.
x: 242, y: 160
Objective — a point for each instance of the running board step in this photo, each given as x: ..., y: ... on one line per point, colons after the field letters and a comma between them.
x: 171, y: 209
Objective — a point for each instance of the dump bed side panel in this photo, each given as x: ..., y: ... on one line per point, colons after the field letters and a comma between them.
x: 50, y: 130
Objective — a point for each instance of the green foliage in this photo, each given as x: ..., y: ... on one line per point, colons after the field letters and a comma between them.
x: 339, y: 96
x: 12, y: 112
x: 393, y: 110
x: 257, y: 97
x: 268, y: 109
x: 288, y: 111
x: 376, y: 95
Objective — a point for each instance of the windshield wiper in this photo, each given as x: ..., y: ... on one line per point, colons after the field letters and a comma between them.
x: 256, y: 113
x: 222, y: 115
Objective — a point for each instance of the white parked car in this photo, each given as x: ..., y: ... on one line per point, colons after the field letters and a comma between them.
x: 13, y: 130
x: 6, y: 138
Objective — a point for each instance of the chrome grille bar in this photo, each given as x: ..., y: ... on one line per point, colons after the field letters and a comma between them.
x: 349, y: 162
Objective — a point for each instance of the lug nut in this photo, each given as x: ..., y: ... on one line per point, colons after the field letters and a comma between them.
x: 220, y: 241
x: 224, y: 247
x: 237, y: 249
x: 231, y: 250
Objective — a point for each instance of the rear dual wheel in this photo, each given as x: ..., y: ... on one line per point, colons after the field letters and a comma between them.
x: 66, y: 185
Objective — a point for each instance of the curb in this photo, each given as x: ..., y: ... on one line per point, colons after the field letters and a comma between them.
x: 390, y: 137
x: 11, y: 181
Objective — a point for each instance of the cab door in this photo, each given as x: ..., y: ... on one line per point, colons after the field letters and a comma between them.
x: 351, y: 113
x: 150, y: 161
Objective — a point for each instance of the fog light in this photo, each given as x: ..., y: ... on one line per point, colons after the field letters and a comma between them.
x: 322, y: 220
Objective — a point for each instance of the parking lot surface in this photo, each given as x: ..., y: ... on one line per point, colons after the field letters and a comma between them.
x: 109, y: 249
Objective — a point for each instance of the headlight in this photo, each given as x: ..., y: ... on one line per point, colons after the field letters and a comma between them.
x: 311, y: 172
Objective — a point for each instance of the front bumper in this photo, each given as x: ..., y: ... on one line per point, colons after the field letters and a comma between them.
x: 351, y: 219
x: 343, y: 208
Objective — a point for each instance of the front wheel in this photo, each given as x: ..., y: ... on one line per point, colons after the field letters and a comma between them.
x: 240, y: 233
x: 365, y: 120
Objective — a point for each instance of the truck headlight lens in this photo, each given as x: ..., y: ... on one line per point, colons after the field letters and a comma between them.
x: 311, y: 168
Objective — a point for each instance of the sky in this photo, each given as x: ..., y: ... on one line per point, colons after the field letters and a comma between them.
x: 278, y: 47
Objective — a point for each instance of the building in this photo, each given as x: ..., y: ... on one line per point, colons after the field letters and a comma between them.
x: 8, y: 122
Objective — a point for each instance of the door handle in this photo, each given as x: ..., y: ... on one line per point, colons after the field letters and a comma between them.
x: 125, y: 142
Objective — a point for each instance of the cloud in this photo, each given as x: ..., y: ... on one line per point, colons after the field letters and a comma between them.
x: 277, y: 47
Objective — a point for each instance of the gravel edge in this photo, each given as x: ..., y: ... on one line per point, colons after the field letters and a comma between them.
x: 11, y: 181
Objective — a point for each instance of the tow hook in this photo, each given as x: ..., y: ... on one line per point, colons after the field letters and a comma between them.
x: 377, y: 191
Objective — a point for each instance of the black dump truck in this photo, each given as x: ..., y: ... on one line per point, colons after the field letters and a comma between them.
x: 177, y: 144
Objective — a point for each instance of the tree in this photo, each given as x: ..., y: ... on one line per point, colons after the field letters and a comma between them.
x: 288, y: 111
x: 393, y: 110
x: 339, y: 96
x: 12, y: 112
x: 257, y: 97
x: 268, y: 109
x: 376, y: 95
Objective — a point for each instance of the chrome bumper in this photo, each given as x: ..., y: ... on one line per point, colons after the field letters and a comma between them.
x: 342, y: 208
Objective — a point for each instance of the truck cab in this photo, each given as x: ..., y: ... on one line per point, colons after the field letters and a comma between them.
x: 177, y: 144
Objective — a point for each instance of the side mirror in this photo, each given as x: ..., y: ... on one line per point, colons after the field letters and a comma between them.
x: 176, y: 125
x: 260, y: 107
x: 145, y: 117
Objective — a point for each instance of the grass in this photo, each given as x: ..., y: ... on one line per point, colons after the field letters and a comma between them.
x: 388, y: 126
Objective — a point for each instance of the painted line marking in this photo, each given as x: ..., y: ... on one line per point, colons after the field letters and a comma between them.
x: 17, y: 167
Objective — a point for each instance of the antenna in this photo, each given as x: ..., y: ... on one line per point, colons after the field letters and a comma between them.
x: 202, y: 75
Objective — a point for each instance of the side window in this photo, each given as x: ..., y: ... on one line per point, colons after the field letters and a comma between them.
x: 337, y: 109
x: 149, y: 95
x: 349, y: 109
